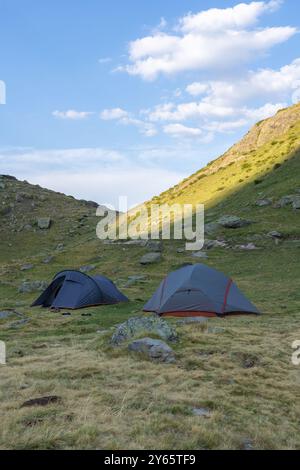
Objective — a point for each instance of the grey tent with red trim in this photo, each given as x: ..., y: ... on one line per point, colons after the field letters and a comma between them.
x: 198, y: 290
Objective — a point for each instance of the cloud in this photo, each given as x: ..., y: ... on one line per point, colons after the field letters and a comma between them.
x: 127, y: 119
x: 104, y: 60
x: 71, y: 114
x: 91, y: 173
x: 191, y: 110
x: 239, y: 17
x: 209, y: 40
x: 197, y: 88
x: 179, y: 130
x: 113, y: 113
x: 262, y: 84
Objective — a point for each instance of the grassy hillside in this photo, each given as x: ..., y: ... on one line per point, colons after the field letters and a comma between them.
x: 238, y: 368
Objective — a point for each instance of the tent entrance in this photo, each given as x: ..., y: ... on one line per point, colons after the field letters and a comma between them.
x: 55, y: 289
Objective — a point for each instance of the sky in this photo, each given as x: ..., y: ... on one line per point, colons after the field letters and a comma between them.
x: 126, y: 98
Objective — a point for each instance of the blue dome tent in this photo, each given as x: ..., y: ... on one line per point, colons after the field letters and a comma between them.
x: 74, y: 289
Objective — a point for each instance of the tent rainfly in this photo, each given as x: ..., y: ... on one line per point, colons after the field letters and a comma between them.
x: 198, y: 290
x: 73, y: 289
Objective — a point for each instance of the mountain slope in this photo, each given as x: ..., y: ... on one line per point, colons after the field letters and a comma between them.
x: 267, y: 146
x: 23, y: 204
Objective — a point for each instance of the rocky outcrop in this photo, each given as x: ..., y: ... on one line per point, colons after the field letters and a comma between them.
x: 138, y: 325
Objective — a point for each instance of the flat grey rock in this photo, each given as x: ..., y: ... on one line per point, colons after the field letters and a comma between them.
x: 32, y: 286
x: 87, y: 269
x: 263, y: 202
x: 155, y: 349
x: 26, y: 267
x: 154, y: 246
x: 150, y: 258
x: 44, y: 223
x: 202, y: 412
x: 232, y: 221
x: 200, y: 254
x: 275, y: 234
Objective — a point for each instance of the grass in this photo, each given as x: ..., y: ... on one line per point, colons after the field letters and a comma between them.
x: 113, y: 399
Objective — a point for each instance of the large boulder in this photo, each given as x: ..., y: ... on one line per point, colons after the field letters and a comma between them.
x: 232, y: 221
x: 150, y: 258
x: 138, y: 325
x: 155, y: 349
x: 44, y: 223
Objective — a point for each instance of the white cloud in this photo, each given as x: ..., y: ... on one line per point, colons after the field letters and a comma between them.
x: 262, y: 84
x: 197, y: 88
x: 113, y: 113
x: 179, y: 130
x: 104, y: 60
x: 123, y: 117
x: 191, y: 110
x: 239, y: 17
x: 209, y: 40
x: 91, y: 173
x: 71, y: 114
x: 226, y: 126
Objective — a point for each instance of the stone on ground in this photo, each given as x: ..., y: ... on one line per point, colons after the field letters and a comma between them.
x: 155, y: 349
x: 232, y: 221
x: 139, y: 325
x: 44, y: 223
x: 150, y: 258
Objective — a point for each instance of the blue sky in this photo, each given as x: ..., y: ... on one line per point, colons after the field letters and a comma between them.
x: 128, y: 97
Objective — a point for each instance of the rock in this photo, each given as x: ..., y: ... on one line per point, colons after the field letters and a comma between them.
x: 87, y: 269
x: 209, y: 244
x: 20, y: 197
x: 27, y: 227
x: 150, y: 258
x: 132, y: 280
x: 248, y: 247
x: 5, y: 210
x: 26, y: 267
x: 193, y: 320
x: 215, y: 329
x: 296, y: 203
x: 199, y: 254
x: 154, y: 246
x: 211, y: 227
x: 275, y: 234
x: 247, y: 444
x: 138, y: 325
x: 286, y: 201
x: 263, y: 202
x: 60, y: 247
x: 202, y: 412
x: 48, y: 259
x: 2, y: 185
x: 32, y: 286
x: 19, y: 323
x: 6, y: 314
x: 155, y: 349
x: 135, y: 242
x: 42, y: 401
x: 232, y: 221
x: 180, y: 250
x: 44, y: 223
